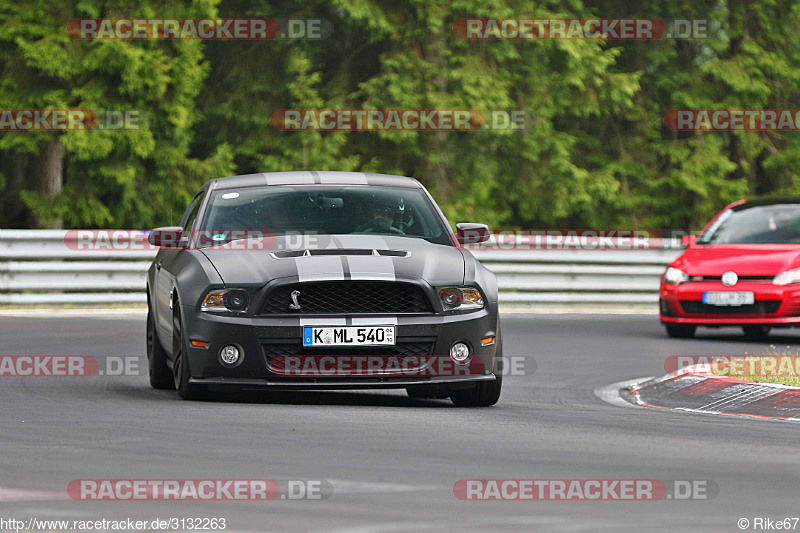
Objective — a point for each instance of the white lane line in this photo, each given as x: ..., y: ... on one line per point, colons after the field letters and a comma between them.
x: 552, y: 523
x: 610, y: 393
x: 344, y: 486
x: 580, y: 314
x: 55, y: 312
x: 22, y: 495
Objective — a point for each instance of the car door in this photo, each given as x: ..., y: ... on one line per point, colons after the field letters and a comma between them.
x: 166, y: 270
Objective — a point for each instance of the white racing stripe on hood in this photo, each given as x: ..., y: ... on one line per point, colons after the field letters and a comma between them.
x: 368, y: 266
x: 371, y: 267
x: 364, y: 242
x: 319, y: 268
x: 343, y: 178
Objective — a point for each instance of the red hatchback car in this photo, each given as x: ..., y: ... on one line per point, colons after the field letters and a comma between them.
x: 743, y: 270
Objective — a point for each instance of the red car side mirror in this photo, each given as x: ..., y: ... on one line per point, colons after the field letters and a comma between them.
x: 166, y: 237
x: 688, y: 240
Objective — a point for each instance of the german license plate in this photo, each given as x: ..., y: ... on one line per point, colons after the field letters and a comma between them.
x: 349, y: 336
x: 729, y: 298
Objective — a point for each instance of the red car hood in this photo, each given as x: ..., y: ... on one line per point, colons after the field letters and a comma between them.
x: 744, y: 259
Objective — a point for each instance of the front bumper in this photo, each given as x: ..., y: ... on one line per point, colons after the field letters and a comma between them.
x: 774, y: 304
x: 262, y: 339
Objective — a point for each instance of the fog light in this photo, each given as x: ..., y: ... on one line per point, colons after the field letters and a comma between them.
x: 459, y: 352
x: 229, y: 355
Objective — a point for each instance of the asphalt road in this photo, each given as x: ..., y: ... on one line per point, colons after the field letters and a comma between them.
x: 393, y: 461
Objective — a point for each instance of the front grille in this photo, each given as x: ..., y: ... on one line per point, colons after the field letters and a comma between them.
x: 765, y: 307
x: 348, y: 297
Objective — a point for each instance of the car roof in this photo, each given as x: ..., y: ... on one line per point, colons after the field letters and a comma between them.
x: 769, y: 200
x: 306, y: 177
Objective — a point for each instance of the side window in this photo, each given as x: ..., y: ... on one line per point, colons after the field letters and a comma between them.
x: 190, y: 217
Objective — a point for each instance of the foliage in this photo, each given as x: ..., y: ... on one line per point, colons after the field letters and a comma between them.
x: 594, y: 151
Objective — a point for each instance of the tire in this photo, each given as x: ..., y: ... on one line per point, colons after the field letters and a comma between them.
x: 680, y: 331
x: 756, y: 333
x: 160, y: 374
x: 485, y: 393
x: 180, y: 366
x: 428, y: 393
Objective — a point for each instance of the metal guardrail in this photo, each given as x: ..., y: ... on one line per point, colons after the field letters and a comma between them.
x: 38, y: 267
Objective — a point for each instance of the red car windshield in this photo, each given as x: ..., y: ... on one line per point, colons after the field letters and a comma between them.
x: 755, y: 224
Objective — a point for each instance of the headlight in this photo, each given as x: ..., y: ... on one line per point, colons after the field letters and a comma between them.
x: 675, y: 276
x: 460, y: 298
x: 225, y: 300
x: 788, y: 277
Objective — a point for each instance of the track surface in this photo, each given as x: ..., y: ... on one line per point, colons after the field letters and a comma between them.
x: 393, y: 461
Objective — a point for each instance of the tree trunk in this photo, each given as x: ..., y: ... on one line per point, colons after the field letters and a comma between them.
x: 48, y: 179
x: 15, y: 213
x: 437, y: 164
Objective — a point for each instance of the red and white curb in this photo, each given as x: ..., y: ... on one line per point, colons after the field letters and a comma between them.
x: 695, y: 389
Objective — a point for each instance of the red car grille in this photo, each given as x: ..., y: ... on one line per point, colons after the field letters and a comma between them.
x: 765, y: 307
x: 764, y: 279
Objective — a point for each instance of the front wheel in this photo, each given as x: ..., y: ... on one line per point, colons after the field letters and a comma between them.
x: 428, y: 393
x: 180, y: 363
x: 486, y: 393
x: 680, y: 331
x: 160, y: 375
x: 756, y: 333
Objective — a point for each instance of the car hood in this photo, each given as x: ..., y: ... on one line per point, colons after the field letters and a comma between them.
x: 744, y: 259
x: 336, y: 257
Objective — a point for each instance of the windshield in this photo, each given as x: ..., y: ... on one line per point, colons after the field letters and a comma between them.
x: 400, y: 212
x: 763, y: 224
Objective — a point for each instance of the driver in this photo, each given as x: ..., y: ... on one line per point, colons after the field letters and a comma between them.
x: 382, y: 221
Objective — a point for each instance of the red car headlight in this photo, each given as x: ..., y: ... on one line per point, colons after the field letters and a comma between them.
x: 787, y: 278
x: 675, y: 276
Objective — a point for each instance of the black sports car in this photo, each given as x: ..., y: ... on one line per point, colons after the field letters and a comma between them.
x: 322, y: 280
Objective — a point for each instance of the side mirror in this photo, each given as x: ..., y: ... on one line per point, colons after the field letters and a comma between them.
x: 688, y: 240
x: 469, y: 233
x: 166, y: 237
